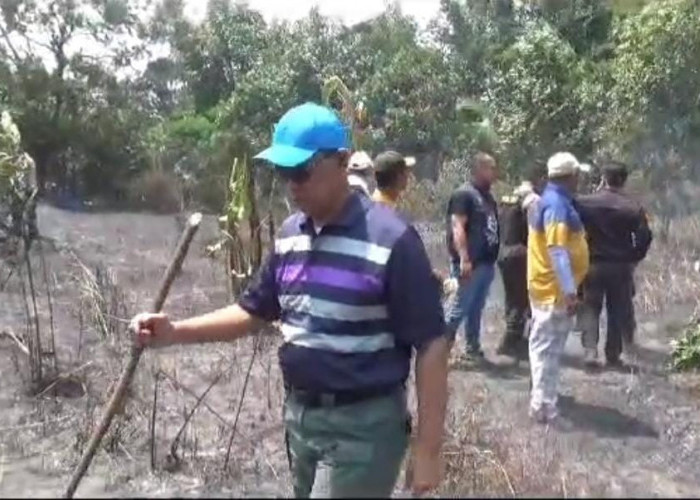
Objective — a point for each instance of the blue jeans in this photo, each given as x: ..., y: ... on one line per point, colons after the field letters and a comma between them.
x: 468, y: 303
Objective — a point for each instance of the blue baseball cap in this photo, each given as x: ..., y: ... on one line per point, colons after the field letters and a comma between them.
x: 302, y: 132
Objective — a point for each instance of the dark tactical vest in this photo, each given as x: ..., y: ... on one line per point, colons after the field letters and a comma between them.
x: 513, y: 219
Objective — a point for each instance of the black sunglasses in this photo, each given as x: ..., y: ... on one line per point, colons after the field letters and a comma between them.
x: 301, y: 173
x: 297, y: 175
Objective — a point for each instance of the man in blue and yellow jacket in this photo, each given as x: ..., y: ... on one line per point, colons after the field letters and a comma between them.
x: 557, y: 262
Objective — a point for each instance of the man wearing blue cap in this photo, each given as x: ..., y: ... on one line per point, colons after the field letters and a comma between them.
x: 351, y: 285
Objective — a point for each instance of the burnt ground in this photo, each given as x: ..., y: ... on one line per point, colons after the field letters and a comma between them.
x: 631, y: 432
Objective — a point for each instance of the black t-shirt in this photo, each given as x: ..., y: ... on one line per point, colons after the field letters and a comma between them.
x: 482, y: 226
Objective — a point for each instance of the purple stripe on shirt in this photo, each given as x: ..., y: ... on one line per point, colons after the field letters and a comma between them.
x: 327, y: 275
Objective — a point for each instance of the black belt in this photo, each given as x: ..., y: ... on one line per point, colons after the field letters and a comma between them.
x: 315, y: 399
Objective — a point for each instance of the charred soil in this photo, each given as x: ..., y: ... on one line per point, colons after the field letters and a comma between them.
x: 629, y: 432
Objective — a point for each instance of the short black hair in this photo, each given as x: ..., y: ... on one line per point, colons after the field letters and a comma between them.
x: 615, y: 173
x: 388, y: 168
x: 386, y: 179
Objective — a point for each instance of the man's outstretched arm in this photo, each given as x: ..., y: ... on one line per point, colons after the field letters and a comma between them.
x: 227, y: 324
x: 259, y: 303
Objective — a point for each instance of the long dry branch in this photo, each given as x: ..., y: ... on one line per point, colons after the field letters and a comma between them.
x: 127, y: 375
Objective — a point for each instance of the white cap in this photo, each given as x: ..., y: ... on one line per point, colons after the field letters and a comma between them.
x: 360, y: 161
x: 561, y: 164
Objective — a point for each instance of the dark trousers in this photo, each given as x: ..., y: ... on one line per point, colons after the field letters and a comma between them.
x: 614, y: 283
x: 517, y: 304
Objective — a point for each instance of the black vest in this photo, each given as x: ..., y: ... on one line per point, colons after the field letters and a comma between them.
x: 514, y: 227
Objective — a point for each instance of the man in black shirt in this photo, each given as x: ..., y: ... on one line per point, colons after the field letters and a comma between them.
x: 619, y: 238
x: 472, y: 242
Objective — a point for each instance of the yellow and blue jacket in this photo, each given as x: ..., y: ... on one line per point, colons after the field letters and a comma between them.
x: 554, y: 223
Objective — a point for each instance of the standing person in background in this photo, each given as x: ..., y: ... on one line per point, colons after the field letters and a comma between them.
x: 391, y: 173
x: 512, y: 261
x: 472, y: 242
x: 360, y: 168
x: 351, y: 315
x: 619, y: 238
x: 557, y: 262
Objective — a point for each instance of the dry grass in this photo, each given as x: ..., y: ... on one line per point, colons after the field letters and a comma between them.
x: 669, y: 275
x: 102, y: 300
x: 486, y: 457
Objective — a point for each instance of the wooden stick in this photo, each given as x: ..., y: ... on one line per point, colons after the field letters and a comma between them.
x: 136, y: 351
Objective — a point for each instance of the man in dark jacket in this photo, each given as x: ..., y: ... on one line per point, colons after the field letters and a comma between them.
x: 619, y: 238
x: 512, y: 261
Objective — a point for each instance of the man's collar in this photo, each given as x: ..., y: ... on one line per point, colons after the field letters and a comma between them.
x: 558, y: 189
x: 354, y: 207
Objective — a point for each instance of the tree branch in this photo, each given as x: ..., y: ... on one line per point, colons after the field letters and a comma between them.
x: 6, y: 36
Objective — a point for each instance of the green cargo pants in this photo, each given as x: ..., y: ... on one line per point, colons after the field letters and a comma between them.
x: 347, y: 451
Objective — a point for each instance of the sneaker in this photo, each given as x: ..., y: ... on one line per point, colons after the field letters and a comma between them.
x: 590, y: 358
x: 539, y: 415
x: 614, y: 363
x: 544, y: 415
x: 552, y: 413
x: 475, y: 352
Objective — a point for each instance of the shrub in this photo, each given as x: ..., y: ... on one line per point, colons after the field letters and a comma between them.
x: 156, y: 190
x: 686, y: 350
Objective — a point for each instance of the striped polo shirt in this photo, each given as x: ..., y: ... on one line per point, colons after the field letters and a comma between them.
x: 353, y: 300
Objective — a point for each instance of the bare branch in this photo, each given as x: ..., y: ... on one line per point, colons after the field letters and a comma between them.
x: 179, y: 385
x: 6, y: 36
x: 11, y: 335
x: 173, y: 458
x: 256, y: 344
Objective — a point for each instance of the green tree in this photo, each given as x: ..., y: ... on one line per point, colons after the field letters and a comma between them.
x: 654, y: 118
x: 533, y: 97
x: 64, y: 56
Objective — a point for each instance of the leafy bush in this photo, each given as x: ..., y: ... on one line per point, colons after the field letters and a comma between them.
x: 156, y: 190
x: 686, y: 350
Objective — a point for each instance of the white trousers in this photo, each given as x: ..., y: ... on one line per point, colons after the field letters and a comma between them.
x: 549, y: 331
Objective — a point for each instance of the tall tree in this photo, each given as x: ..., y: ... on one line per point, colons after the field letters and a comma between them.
x: 64, y: 55
x: 654, y: 105
x: 533, y: 96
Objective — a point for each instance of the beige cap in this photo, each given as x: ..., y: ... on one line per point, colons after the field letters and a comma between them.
x: 360, y: 161
x: 562, y: 164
